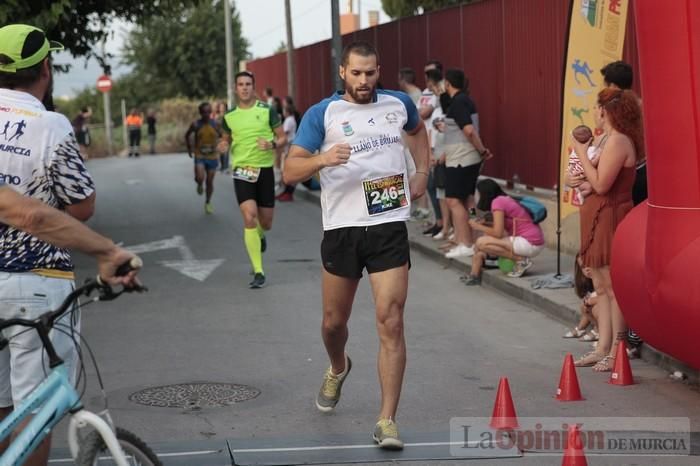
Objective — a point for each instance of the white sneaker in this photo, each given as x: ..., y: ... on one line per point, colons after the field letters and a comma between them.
x: 461, y: 250
x: 440, y: 235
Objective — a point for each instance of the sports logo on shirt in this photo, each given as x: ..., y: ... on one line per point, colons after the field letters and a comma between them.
x: 13, y: 130
x: 392, y: 118
x: 347, y: 129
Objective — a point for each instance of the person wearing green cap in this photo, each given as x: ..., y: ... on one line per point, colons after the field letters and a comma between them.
x: 39, y: 158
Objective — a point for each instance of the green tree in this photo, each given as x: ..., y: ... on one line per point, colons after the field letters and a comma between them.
x: 282, y: 48
x: 81, y: 24
x: 402, y: 8
x: 184, y: 55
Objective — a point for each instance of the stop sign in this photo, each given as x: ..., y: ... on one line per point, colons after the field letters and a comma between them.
x: 104, y: 83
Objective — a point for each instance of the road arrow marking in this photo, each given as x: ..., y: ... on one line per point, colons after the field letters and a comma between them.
x: 196, y: 269
x: 189, y: 266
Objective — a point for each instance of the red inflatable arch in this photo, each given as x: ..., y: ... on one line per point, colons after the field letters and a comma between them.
x: 656, y: 251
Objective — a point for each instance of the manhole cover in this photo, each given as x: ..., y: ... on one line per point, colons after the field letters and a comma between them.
x: 194, y: 395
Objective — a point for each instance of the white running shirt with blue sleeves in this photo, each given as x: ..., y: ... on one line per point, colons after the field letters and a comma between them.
x: 372, y: 188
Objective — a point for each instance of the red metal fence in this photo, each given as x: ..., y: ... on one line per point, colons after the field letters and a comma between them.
x: 511, y: 50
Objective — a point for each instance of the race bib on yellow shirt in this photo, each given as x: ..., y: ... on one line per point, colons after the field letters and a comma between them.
x: 384, y: 194
x: 249, y: 174
x: 206, y: 149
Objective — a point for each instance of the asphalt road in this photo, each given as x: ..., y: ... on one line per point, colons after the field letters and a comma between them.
x: 205, y: 325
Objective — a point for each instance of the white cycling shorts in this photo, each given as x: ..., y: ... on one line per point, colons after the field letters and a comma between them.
x: 522, y: 247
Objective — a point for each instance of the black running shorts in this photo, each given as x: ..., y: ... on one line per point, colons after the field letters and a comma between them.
x: 460, y: 182
x: 262, y: 191
x: 346, y: 251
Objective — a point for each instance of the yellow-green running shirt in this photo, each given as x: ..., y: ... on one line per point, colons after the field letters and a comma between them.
x: 246, y: 125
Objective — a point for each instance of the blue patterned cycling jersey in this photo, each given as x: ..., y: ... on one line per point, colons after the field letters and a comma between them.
x: 39, y: 158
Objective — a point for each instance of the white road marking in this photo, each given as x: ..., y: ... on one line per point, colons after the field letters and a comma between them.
x: 188, y: 265
x: 160, y: 455
x: 473, y: 444
x: 196, y: 269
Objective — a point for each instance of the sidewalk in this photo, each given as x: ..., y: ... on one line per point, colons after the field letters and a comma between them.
x: 559, y: 304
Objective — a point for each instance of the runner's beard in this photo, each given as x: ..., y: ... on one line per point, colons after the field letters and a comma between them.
x: 360, y: 98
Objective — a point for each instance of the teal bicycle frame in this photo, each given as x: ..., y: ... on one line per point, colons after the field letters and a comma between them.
x: 54, y: 398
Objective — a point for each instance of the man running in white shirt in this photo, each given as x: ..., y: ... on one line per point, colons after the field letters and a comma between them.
x: 365, y: 197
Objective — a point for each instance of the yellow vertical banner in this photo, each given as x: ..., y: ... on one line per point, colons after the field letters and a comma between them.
x: 596, y: 37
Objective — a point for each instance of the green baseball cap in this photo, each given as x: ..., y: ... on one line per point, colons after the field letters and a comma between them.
x: 23, y: 46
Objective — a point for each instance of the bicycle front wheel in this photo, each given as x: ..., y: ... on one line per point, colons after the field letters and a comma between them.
x: 94, y: 452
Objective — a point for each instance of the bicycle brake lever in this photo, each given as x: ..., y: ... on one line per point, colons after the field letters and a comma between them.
x: 108, y: 294
x: 135, y: 289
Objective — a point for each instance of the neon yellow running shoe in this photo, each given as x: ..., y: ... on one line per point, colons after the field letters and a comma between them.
x: 208, y: 208
x: 386, y: 434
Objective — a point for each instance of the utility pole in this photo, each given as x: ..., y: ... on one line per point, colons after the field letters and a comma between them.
x: 291, y: 76
x: 108, y: 121
x: 229, y: 54
x: 106, y: 104
x: 336, y: 45
x: 124, y: 131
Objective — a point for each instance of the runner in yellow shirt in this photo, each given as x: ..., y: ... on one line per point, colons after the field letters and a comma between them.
x: 206, y: 156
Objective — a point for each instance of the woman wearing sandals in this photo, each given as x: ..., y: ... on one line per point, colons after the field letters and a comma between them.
x: 618, y: 114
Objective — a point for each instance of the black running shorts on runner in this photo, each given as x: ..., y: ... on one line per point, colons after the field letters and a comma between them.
x: 460, y: 182
x: 346, y: 251
x: 262, y: 191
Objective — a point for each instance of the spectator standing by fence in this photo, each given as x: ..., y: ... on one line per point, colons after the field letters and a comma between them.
x: 80, y: 128
x: 151, y: 123
x: 464, y: 154
x: 618, y: 114
x: 133, y: 122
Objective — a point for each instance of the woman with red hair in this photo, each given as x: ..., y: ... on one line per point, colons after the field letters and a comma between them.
x: 621, y: 145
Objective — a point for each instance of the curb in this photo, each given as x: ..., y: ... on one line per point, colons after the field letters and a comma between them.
x: 494, y: 279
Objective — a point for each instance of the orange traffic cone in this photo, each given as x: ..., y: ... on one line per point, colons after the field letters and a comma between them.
x: 504, y: 416
x: 622, y: 372
x: 573, y: 453
x: 569, y: 389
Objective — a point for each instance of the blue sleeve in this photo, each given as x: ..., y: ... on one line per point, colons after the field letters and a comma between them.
x: 312, y: 130
x: 412, y: 117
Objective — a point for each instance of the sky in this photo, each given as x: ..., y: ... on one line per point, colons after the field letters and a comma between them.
x: 263, y: 26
